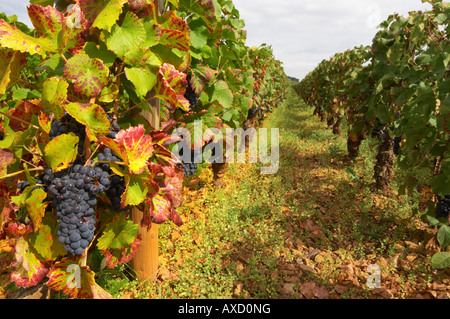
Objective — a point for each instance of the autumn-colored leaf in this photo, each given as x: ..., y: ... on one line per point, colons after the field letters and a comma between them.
x: 171, y: 87
x: 28, y: 269
x: 25, y: 112
x: 6, y: 157
x: 93, y: 116
x: 75, y: 281
x: 11, y: 63
x: 36, y: 206
x: 54, y: 94
x: 137, y: 148
x: 61, y: 151
x: 427, y: 195
x: 89, y: 75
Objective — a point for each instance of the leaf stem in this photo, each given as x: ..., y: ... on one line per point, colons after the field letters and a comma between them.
x: 20, y: 172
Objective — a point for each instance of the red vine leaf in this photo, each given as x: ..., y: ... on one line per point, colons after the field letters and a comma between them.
x: 28, y: 269
x: 24, y: 111
x: 175, y: 32
x: 135, y: 148
x: 75, y: 281
x: 171, y: 87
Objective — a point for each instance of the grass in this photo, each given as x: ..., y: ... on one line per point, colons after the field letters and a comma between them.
x: 248, y: 238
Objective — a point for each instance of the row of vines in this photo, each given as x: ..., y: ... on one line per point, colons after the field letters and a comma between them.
x: 77, y: 147
x: 397, y: 91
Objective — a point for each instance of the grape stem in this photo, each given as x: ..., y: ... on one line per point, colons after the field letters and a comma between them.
x: 20, y: 172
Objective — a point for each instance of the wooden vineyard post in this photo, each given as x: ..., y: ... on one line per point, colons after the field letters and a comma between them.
x: 145, y: 262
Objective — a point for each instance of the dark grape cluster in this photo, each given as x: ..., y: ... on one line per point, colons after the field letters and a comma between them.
x: 117, y: 187
x: 114, y: 128
x: 443, y: 207
x: 397, y: 141
x: 67, y: 124
x: 190, y: 95
x: 72, y: 193
x: 188, y: 165
x: 39, y: 184
x: 253, y: 112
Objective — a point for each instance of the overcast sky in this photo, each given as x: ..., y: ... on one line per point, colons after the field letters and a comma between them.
x: 301, y: 32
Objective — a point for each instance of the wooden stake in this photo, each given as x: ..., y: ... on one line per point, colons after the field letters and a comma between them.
x: 145, y: 262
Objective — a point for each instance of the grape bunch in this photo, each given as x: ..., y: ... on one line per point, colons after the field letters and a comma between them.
x: 188, y: 166
x: 114, y: 128
x: 39, y: 184
x: 397, y: 141
x: 190, y: 95
x: 117, y: 187
x: 72, y: 193
x: 443, y: 207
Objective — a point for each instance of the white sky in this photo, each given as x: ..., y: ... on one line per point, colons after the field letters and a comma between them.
x: 301, y: 32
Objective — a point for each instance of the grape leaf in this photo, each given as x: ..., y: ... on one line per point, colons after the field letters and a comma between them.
x: 142, y: 78
x: 11, y: 37
x: 171, y: 87
x: 54, y: 94
x: 75, y: 281
x: 24, y: 111
x: 175, y: 32
x: 115, y: 257
x: 61, y: 151
x: 101, y: 14
x: 222, y: 94
x: 89, y: 75
x: 36, y: 206
x: 137, y: 148
x: 118, y: 234
x: 136, y: 190
x: 109, y: 93
x: 127, y: 36
x: 200, y: 77
x: 28, y: 269
x: 46, y: 241
x: 93, y: 116
x: 11, y: 63
x: 443, y: 236
x: 440, y: 260
x: 6, y: 157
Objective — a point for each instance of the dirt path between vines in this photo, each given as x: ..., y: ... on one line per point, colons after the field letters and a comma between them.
x: 313, y: 230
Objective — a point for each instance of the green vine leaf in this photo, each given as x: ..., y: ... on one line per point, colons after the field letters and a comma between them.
x: 118, y: 234
x: 89, y: 75
x: 46, y: 241
x: 440, y: 260
x: 222, y: 94
x: 127, y: 36
x: 54, y: 94
x: 143, y: 79
x: 61, y: 151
